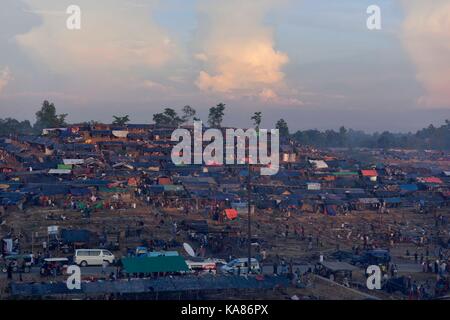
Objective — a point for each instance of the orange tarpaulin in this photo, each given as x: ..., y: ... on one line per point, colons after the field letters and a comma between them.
x: 164, y: 181
x: 231, y: 213
x: 369, y: 173
x: 132, y: 182
x: 432, y: 180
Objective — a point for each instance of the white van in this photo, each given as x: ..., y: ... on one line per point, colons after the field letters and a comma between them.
x: 93, y: 257
x: 233, y: 266
x: 196, y: 264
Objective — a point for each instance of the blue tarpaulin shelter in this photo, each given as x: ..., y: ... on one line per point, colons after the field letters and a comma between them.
x: 54, y: 190
x: 71, y: 236
x: 330, y: 210
x: 409, y: 187
x: 392, y: 200
x: 79, y: 192
x: 11, y: 198
x: 166, y: 284
x: 155, y: 264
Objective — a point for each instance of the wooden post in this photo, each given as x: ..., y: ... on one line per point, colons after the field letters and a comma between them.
x: 249, y: 221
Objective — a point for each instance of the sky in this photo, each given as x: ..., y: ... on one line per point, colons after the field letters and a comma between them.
x: 312, y: 62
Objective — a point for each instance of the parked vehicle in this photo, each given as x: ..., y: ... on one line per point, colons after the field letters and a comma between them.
x: 397, y: 285
x: 141, y: 251
x: 144, y: 252
x: 18, y: 262
x: 372, y: 257
x: 240, y: 266
x: 93, y: 257
x: 342, y: 255
x: 204, y: 265
x: 54, y: 266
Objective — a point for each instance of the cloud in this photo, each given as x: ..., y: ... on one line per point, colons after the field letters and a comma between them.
x: 5, y: 77
x: 271, y: 97
x: 157, y: 87
x: 237, y: 50
x: 116, y: 36
x: 426, y: 36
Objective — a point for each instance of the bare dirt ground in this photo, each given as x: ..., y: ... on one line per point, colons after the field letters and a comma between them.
x: 327, y: 234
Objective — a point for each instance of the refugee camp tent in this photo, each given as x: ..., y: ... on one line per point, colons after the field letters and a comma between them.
x: 164, y: 180
x: 432, y: 180
x: 161, y: 284
x: 313, y: 186
x: 319, y: 164
x: 54, y: 190
x: 241, y: 207
x: 290, y: 202
x: 73, y: 161
x: 408, y: 187
x: 219, y: 196
x: 345, y: 173
x: 266, y: 204
x: 65, y: 166
x: 336, y: 266
x: 75, y: 236
x: 155, y: 264
x: 91, y: 182
x: 79, y: 192
x: 59, y: 171
x: 330, y: 210
x: 369, y: 173
x: 172, y: 188
x: 199, y: 226
x: 11, y: 198
x: 392, y: 201
x: 231, y: 213
x: 155, y: 189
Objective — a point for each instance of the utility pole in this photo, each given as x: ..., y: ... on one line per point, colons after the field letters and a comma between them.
x: 249, y: 193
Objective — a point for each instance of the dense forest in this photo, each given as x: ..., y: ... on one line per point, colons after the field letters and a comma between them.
x: 428, y: 138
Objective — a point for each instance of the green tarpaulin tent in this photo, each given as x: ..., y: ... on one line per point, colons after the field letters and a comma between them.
x: 155, y: 264
x: 81, y: 206
x: 112, y: 190
x: 171, y: 187
x: 65, y: 166
x: 98, y: 205
x: 345, y: 173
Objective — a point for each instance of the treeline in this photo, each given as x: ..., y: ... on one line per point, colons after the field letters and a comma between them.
x: 46, y: 117
x: 428, y: 138
x: 14, y: 127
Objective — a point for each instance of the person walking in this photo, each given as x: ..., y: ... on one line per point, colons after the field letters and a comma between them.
x: 104, y: 266
x: 9, y: 272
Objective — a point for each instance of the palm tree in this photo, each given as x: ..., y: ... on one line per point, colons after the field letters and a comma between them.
x: 121, y: 121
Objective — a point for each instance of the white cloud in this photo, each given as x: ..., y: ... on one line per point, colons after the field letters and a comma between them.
x: 237, y: 50
x: 115, y: 36
x: 426, y: 36
x: 5, y: 78
x: 157, y: 87
x: 269, y: 96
